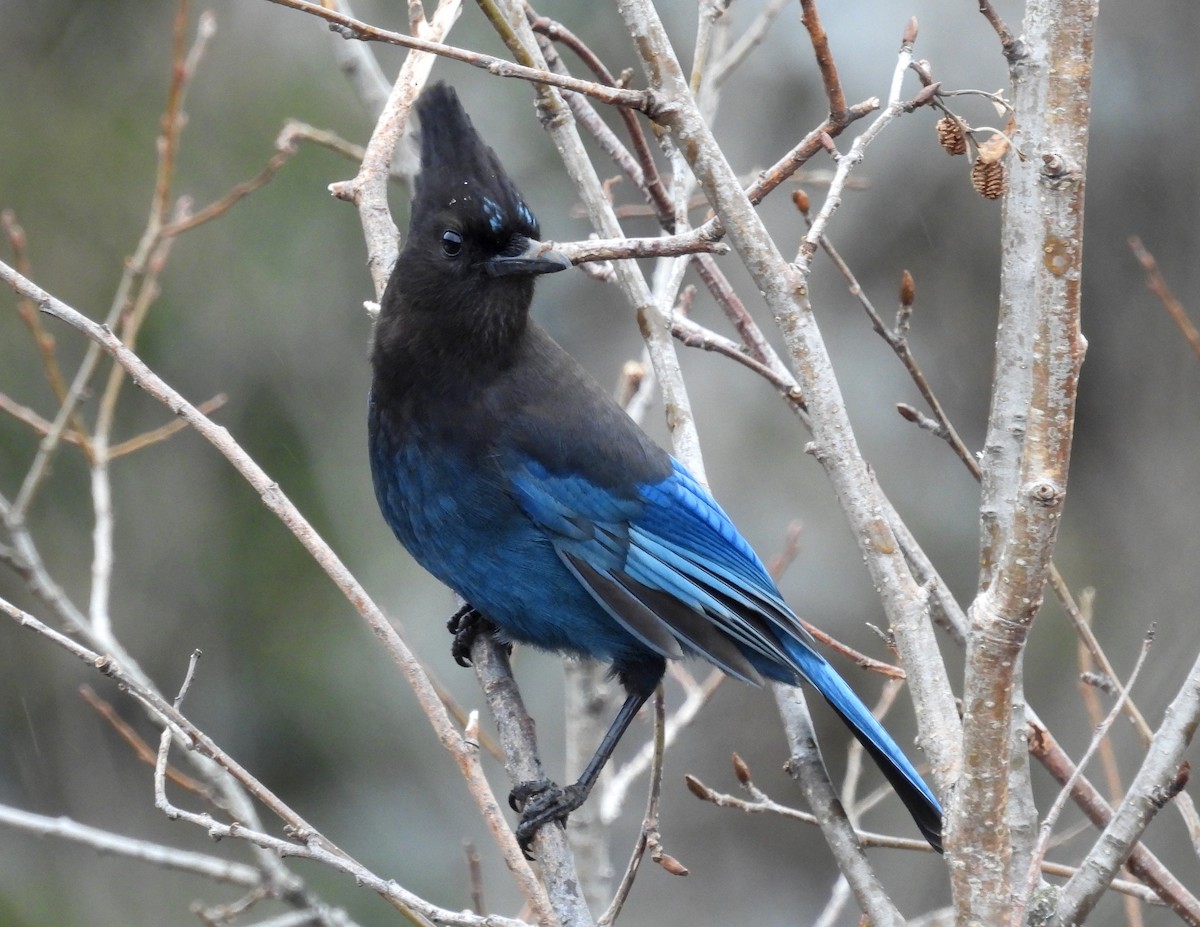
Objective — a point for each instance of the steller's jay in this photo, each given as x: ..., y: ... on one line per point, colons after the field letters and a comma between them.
x: 514, y: 478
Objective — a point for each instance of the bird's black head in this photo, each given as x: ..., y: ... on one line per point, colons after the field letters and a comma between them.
x: 464, y: 279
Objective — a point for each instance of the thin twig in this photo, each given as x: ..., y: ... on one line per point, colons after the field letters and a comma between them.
x: 613, y: 249
x: 1142, y: 863
x: 463, y: 752
x: 811, y: 20
x: 1064, y: 794
x: 648, y: 179
x: 695, y: 335
x: 142, y: 750
x: 1108, y: 757
x: 760, y: 803
x: 350, y: 28
x: 28, y: 416
x: 77, y: 433
x: 1157, y: 284
x: 847, y: 162
x: 746, y: 43
x: 898, y: 341
x: 163, y: 432
x: 237, y: 193
x: 104, y: 841
x: 649, y: 826
x: 1012, y: 47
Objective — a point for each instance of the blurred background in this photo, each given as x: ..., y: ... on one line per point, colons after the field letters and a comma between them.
x: 265, y: 306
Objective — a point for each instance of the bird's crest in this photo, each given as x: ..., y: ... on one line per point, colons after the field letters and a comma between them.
x: 461, y: 174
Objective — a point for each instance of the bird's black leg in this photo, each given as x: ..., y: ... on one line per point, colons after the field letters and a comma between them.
x: 541, y: 801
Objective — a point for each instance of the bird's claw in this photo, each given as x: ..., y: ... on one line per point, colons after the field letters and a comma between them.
x: 541, y: 802
x: 465, y: 624
x: 522, y: 792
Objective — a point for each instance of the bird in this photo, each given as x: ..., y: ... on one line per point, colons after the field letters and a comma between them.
x: 513, y: 477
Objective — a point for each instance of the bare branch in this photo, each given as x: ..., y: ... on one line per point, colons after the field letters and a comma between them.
x: 1098, y: 737
x: 599, y: 249
x: 1162, y: 776
x: 649, y: 830
x: 747, y: 42
x: 1012, y: 47
x: 1142, y: 863
x: 351, y: 29
x: 1026, y: 454
x: 1157, y: 285
x: 784, y: 289
x: 806, y: 766
x: 462, y: 751
x: 820, y: 43
x: 156, y: 854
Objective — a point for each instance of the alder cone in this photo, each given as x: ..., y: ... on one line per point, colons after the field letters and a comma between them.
x: 950, y: 136
x: 989, y: 178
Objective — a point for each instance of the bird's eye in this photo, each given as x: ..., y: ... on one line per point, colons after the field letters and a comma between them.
x: 451, y: 243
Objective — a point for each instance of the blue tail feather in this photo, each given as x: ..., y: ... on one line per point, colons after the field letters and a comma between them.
x: 888, y: 755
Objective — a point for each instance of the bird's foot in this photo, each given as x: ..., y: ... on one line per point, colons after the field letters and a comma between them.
x: 541, y: 802
x: 465, y: 624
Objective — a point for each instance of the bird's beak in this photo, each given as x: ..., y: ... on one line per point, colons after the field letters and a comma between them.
x: 526, y: 256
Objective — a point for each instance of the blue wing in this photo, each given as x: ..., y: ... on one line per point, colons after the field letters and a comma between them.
x: 666, y: 563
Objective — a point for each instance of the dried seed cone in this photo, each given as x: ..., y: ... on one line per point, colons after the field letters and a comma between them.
x: 950, y: 136
x: 989, y: 178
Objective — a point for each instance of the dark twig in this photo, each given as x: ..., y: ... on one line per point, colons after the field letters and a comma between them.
x: 77, y: 433
x: 1142, y: 863
x: 649, y: 181
x: 1012, y: 47
x: 897, y: 340
x: 1163, y: 775
x: 696, y: 336
x: 142, y: 750
x: 1099, y: 736
x: 350, y: 28
x: 1108, y: 758
x: 829, y: 75
x: 761, y: 803
x: 648, y: 834
x: 475, y: 873
x: 238, y: 192
x: 1157, y: 285
x: 859, y: 659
